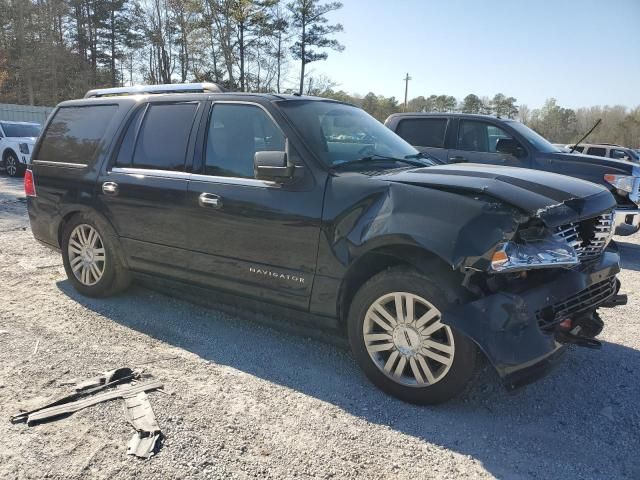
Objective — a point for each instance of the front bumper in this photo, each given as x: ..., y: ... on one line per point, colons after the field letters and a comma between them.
x: 626, y: 221
x: 508, y: 326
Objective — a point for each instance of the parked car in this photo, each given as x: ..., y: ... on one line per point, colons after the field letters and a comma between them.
x: 16, y: 144
x: 423, y: 265
x: 606, y: 150
x: 456, y: 138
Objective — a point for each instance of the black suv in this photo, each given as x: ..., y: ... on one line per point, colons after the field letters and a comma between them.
x: 458, y: 137
x: 314, y: 205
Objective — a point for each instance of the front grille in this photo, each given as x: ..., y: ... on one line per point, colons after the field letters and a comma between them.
x: 589, y: 237
x: 582, y: 301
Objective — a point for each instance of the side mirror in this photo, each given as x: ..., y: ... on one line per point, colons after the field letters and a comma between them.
x: 272, y: 166
x: 509, y: 146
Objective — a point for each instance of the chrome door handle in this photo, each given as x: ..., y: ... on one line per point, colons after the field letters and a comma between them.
x: 110, y: 188
x: 209, y: 200
x: 457, y: 159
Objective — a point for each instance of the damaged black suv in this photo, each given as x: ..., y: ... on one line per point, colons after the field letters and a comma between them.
x: 313, y: 205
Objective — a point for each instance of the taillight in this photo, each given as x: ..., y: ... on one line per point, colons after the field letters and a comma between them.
x: 29, y: 184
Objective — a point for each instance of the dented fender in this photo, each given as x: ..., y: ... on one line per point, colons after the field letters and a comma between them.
x: 452, y: 226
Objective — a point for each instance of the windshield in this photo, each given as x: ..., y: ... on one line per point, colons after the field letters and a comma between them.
x: 20, y: 129
x: 341, y: 133
x: 538, y: 141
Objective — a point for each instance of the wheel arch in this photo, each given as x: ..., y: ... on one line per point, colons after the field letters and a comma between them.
x: 382, y: 258
x: 7, y: 151
x: 77, y: 210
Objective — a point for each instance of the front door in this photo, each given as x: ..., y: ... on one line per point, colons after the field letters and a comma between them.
x: 476, y: 143
x: 250, y: 236
x: 143, y: 190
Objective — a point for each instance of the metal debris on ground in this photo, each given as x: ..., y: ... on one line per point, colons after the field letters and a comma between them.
x: 108, y: 386
x: 138, y: 410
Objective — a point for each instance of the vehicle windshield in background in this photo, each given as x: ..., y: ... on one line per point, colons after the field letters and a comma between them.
x: 341, y: 133
x: 537, y: 140
x: 20, y: 130
x: 634, y: 155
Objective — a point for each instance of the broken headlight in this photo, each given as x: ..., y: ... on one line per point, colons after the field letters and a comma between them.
x: 543, y: 253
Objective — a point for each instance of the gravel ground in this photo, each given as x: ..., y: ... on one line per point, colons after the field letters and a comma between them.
x: 245, y: 400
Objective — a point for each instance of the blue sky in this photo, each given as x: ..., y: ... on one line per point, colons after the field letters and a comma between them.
x: 583, y: 52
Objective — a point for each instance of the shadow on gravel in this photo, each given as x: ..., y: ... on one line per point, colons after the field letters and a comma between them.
x: 578, y: 422
x: 630, y: 255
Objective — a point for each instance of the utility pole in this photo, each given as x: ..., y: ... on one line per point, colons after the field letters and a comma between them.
x: 406, y: 90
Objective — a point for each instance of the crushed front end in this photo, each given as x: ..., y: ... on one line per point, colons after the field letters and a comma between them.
x: 538, y: 292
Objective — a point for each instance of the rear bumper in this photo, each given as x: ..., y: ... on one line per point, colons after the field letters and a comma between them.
x: 626, y: 222
x: 510, y: 329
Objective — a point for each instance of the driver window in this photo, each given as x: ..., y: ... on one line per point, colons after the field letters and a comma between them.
x: 236, y: 132
x: 481, y: 137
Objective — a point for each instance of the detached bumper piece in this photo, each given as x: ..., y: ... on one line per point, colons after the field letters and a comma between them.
x: 108, y: 386
x: 146, y: 440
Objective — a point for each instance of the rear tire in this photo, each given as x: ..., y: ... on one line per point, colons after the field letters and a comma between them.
x: 409, y: 353
x: 91, y: 257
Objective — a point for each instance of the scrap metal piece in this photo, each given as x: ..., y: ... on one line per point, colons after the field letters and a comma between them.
x: 105, y: 378
x: 146, y: 440
x: 83, y: 389
x: 71, y: 407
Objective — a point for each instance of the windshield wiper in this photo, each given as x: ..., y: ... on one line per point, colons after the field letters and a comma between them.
x: 375, y: 157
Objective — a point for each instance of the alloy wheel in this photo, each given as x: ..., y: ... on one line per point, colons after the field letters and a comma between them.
x: 11, y: 165
x: 407, y: 341
x: 86, y: 254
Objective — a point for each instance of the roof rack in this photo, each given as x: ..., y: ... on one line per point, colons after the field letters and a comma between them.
x: 157, y: 89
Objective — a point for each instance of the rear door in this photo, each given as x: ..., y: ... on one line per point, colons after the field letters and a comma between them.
x: 427, y: 134
x: 476, y: 142
x: 142, y: 190
x: 252, y: 237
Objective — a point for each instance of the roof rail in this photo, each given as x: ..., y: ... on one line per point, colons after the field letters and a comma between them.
x: 166, y: 88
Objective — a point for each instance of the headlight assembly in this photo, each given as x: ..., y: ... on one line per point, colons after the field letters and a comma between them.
x: 545, y: 253
x: 24, y: 148
x: 623, y: 183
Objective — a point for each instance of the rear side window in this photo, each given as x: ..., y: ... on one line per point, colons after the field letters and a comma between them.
x: 75, y: 134
x: 600, y: 152
x: 579, y: 149
x: 423, y: 132
x: 163, y: 136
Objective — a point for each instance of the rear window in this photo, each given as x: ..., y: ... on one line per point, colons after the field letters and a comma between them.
x: 423, y: 132
x: 75, y: 134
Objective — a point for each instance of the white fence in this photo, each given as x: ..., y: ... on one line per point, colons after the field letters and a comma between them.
x: 24, y: 113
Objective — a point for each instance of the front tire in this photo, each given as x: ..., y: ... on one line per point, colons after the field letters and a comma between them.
x: 398, y: 339
x: 91, y: 258
x: 12, y: 165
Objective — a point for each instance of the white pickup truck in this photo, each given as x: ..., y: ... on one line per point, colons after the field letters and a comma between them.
x: 16, y: 144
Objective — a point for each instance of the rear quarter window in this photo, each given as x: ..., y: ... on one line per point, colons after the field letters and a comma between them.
x: 75, y: 134
x: 423, y: 132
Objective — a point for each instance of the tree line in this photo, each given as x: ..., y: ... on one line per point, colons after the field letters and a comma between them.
x: 53, y: 50
x: 558, y: 124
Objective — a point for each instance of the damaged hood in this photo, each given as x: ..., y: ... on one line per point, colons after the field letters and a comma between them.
x: 555, y: 199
